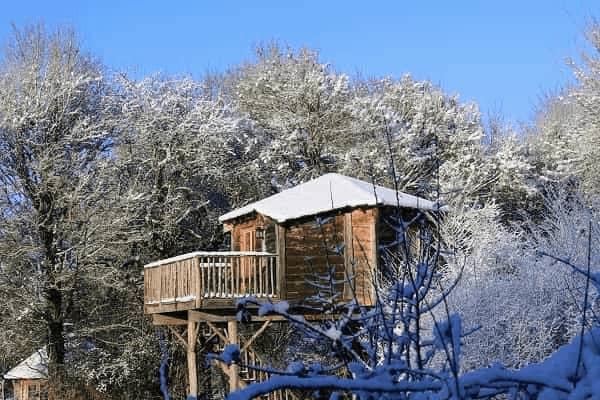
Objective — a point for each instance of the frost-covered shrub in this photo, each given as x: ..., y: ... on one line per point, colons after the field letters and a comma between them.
x: 525, y: 304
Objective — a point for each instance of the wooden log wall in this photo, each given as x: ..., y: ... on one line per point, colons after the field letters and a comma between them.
x: 387, y: 234
x: 306, y: 254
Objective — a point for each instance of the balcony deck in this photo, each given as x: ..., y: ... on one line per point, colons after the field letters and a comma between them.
x: 209, y: 280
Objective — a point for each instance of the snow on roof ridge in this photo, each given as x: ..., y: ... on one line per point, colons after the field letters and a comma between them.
x: 316, y: 196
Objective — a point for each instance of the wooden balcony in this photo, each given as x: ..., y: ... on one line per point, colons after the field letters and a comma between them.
x: 209, y: 280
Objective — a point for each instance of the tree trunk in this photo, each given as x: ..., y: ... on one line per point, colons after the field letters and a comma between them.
x: 56, y: 344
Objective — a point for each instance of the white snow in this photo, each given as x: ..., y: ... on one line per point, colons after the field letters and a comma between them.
x: 206, y: 254
x: 326, y: 193
x: 189, y: 297
x: 34, y: 367
x: 171, y: 300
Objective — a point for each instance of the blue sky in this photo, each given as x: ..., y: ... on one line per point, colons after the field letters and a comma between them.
x: 503, y: 54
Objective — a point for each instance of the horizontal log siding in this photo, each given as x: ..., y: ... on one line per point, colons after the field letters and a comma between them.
x: 386, y: 234
x: 306, y: 255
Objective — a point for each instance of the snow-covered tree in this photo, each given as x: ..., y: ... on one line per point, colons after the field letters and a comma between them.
x: 172, y: 159
x: 425, y: 132
x: 300, y: 106
x: 564, y: 141
x: 54, y: 141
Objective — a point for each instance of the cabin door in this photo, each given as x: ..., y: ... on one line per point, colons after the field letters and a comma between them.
x: 247, y: 262
x: 248, y: 242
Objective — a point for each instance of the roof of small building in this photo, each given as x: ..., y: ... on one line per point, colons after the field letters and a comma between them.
x: 34, y: 367
x: 326, y: 193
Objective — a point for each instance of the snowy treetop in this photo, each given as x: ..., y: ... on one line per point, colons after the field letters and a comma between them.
x: 326, y: 193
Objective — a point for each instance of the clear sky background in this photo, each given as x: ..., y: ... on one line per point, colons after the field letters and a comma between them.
x: 503, y: 54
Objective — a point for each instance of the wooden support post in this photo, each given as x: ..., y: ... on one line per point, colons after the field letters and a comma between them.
x: 191, y: 360
x: 234, y: 368
x: 348, y: 257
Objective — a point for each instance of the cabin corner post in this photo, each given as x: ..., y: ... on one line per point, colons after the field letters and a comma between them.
x: 192, y: 331
x: 374, y: 278
x: 348, y: 256
x: 281, y: 261
x: 197, y: 274
x: 234, y: 368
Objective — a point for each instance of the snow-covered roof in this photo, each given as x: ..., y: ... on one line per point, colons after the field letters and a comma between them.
x: 34, y: 367
x: 326, y: 193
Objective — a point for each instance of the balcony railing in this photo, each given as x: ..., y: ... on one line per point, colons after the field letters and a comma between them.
x: 199, y: 279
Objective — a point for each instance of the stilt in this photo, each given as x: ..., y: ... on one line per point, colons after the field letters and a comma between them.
x: 234, y: 368
x: 191, y: 360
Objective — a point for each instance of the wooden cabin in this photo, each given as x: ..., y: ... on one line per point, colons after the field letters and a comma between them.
x: 29, y: 378
x: 278, y: 245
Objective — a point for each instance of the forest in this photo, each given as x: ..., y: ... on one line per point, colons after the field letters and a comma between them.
x: 102, y: 172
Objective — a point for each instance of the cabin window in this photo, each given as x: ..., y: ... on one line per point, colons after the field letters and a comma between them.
x: 33, y: 392
x: 260, y: 234
x: 37, y: 391
x: 227, y: 241
x: 43, y: 392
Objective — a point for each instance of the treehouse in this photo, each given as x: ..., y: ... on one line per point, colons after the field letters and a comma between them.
x: 278, y: 246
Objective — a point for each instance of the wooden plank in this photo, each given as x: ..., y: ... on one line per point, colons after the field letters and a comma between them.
x: 197, y: 281
x: 219, y: 271
x: 368, y: 300
x: 200, y: 316
x: 216, y: 331
x: 272, y: 266
x: 319, y: 259
x: 167, y: 320
x: 281, y: 261
x: 160, y: 290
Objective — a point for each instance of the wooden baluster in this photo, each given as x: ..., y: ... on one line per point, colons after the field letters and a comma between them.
x: 254, y: 273
x: 224, y: 290
x: 273, y: 262
x: 208, y: 276
x: 219, y: 291
x: 215, y: 267
x: 202, y: 281
x: 229, y: 276
x: 261, y: 269
x: 232, y: 287
x: 238, y: 289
